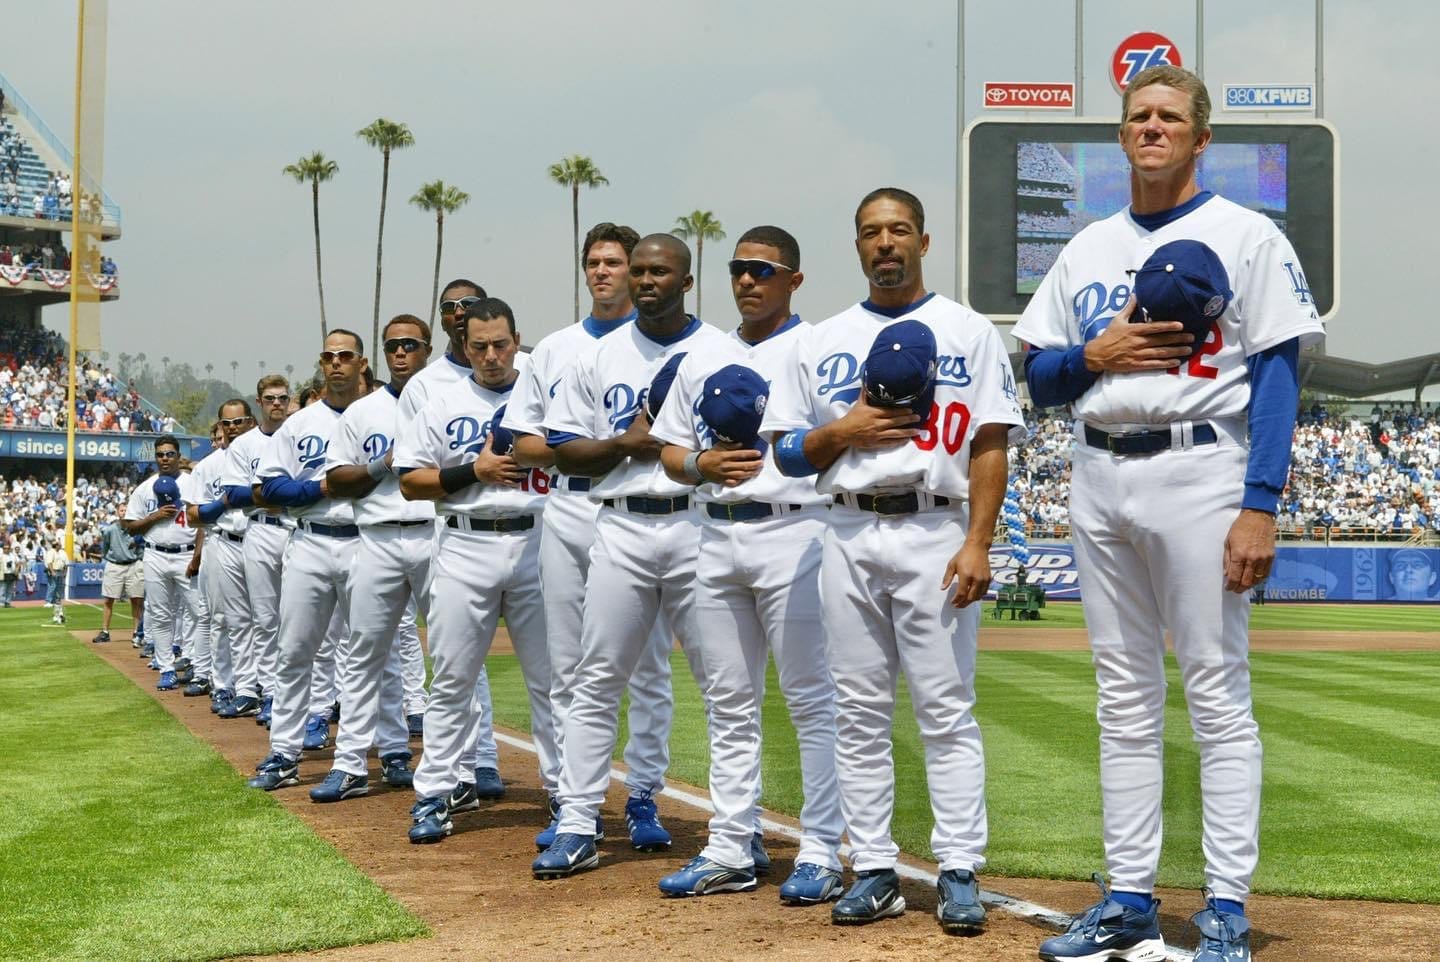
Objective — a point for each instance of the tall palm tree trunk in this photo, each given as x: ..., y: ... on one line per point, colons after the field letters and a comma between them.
x: 319, y: 281
x: 380, y: 245
x: 575, y: 231
x: 439, y: 242
x: 699, y: 273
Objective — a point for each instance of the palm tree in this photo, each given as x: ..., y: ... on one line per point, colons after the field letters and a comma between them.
x: 289, y: 372
x: 385, y: 136
x: 235, y: 375
x: 575, y: 172
x: 699, y: 225
x: 315, y: 168
x: 209, y: 369
x: 442, y: 198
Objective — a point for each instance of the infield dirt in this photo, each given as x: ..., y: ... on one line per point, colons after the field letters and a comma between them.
x: 476, y: 893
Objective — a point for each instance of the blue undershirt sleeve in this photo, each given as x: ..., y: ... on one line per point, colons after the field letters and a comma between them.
x: 239, y: 496
x: 290, y: 493
x: 556, y: 438
x: 1274, y: 395
x: 211, y: 511
x: 1057, y: 377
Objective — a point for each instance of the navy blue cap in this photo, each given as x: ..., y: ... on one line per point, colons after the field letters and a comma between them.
x: 900, y: 369
x: 1184, y: 281
x: 732, y: 404
x: 660, y: 386
x: 167, y: 491
x: 501, y: 439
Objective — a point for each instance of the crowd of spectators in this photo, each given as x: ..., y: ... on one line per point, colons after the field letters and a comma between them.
x: 1353, y: 476
x: 1043, y: 163
x: 32, y: 514
x: 1033, y: 260
x: 1027, y: 220
x: 33, y: 390
x: 51, y: 255
x: 51, y: 202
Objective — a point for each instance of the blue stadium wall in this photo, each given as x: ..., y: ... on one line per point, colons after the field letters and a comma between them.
x: 1301, y: 573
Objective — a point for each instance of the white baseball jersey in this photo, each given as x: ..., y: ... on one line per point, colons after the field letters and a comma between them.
x: 300, y: 450
x: 210, y: 475
x: 436, y: 376
x: 242, y: 465
x: 974, y: 385
x: 680, y: 422
x: 172, y: 531
x: 1094, y: 277
x: 366, y: 433
x: 604, y: 392
x: 451, y: 430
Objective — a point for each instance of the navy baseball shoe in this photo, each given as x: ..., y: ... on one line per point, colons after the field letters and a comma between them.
x: 463, y: 798
x: 262, y: 717
x: 759, y: 855
x: 167, y: 681
x: 101, y: 638
x: 339, y: 786
x: 1109, y: 930
x: 335, y: 713
x: 568, y: 854
x: 874, y: 895
x: 242, y: 706
x: 276, y: 771
x: 811, y: 884
x: 432, y: 820
x: 700, y: 876
x: 416, y: 724
x: 643, y: 820
x: 198, y: 687
x: 1224, y: 936
x: 175, y: 650
x: 959, y: 911
x: 546, y: 838
x: 219, y: 698
x: 317, y: 733
x: 488, y: 783
x: 395, y: 770
x: 148, y: 650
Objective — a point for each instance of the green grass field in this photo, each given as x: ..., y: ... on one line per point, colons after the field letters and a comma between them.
x: 1352, y: 745
x: 1272, y: 617
x: 125, y: 837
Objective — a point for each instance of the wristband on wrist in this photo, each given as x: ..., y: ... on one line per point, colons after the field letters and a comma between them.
x: 692, y: 468
x: 377, y: 469
x: 790, y: 455
x: 458, y: 477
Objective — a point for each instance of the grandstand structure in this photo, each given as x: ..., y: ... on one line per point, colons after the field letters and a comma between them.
x: 1045, y: 193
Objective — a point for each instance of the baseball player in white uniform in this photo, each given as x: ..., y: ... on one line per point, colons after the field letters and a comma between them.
x: 392, y: 568
x: 569, y: 525
x: 321, y: 553
x: 909, y: 488
x: 646, y: 538
x: 453, y: 367
x: 1182, y: 449
x: 487, y: 565
x: 757, y: 586
x: 156, y: 511
x: 252, y: 594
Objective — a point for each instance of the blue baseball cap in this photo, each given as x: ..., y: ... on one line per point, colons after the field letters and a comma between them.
x: 1184, y: 281
x: 732, y: 404
x: 660, y: 386
x: 900, y: 369
x: 501, y: 439
x: 167, y: 491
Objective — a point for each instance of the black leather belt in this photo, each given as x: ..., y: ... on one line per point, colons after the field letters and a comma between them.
x: 523, y: 523
x: 1144, y: 441
x: 237, y: 538
x: 747, y: 510
x: 888, y: 504
x: 642, y: 505
x: 170, y: 548
x: 331, y: 530
x: 407, y: 524
x: 269, y: 519
x: 577, y: 484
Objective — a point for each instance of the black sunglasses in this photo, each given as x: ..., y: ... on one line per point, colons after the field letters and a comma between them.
x: 407, y: 344
x: 455, y: 307
x: 758, y: 269
x: 276, y: 398
x: 344, y: 357
x: 167, y: 454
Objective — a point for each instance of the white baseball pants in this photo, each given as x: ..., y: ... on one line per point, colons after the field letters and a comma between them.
x: 222, y: 665
x: 265, y: 546
x: 169, y: 597
x: 231, y: 611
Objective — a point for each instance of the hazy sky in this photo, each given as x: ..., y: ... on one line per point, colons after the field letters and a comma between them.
x: 758, y: 111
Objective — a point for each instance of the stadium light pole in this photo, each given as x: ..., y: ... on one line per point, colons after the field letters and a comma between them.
x: 76, y: 242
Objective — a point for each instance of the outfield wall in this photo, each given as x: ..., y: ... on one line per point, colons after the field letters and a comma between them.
x: 1301, y: 572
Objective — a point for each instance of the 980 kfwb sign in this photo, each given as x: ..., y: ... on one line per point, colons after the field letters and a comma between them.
x: 1141, y: 51
x: 1266, y: 97
x: 1018, y: 95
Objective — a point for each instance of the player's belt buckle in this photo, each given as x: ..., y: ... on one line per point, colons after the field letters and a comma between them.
x: 1138, y: 442
x: 233, y: 537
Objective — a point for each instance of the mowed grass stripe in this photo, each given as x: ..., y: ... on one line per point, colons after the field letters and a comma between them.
x: 1378, y: 703
x: 125, y: 837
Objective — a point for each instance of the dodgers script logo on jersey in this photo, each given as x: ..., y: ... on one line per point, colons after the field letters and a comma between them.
x: 467, y: 433
x: 1090, y: 306
x: 840, y: 370
x: 622, y: 404
x: 376, y: 446
x: 311, y: 450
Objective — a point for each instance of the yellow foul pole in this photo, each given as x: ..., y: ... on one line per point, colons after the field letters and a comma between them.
x: 76, y: 268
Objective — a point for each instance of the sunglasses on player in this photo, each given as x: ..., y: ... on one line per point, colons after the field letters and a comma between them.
x: 235, y: 422
x: 344, y: 357
x: 757, y: 269
x: 275, y: 398
x: 407, y: 344
x: 455, y: 307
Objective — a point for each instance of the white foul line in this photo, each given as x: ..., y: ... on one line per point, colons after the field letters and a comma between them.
x: 1014, y: 906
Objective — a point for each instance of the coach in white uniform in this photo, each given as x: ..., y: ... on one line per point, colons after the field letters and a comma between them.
x: 252, y: 593
x: 569, y: 523
x: 646, y: 538
x: 909, y: 489
x: 757, y: 587
x: 1172, y: 508
x: 169, y: 547
x: 321, y: 553
x: 487, y: 564
x: 392, y: 569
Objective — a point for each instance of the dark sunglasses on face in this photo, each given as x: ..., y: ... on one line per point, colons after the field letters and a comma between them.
x: 167, y: 454
x: 455, y: 307
x: 758, y: 269
x: 344, y: 357
x: 235, y: 422
x: 276, y: 398
x: 407, y: 344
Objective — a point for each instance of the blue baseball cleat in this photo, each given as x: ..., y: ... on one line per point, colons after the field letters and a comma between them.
x: 219, y: 698
x: 811, y: 884
x: 1109, y: 930
x: 395, y: 770
x: 431, y: 820
x: 317, y: 733
x: 488, y: 783
x: 463, y: 798
x: 758, y: 855
x: 276, y: 771
x: 959, y: 911
x: 339, y: 786
x: 569, y: 854
x: 167, y: 681
x: 874, y: 895
x: 242, y: 706
x: 262, y: 717
x: 700, y: 876
x: 643, y: 820
x: 1224, y: 936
